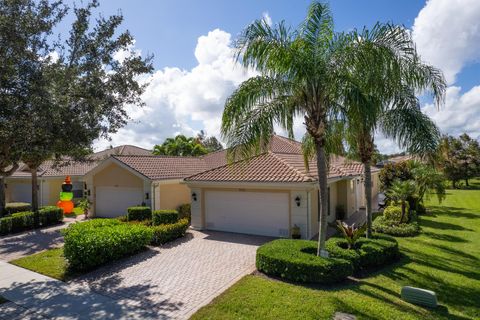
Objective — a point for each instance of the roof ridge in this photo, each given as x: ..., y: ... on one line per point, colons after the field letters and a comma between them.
x: 155, y: 156
x: 301, y: 174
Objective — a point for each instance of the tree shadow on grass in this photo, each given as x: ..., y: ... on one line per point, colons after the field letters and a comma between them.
x: 442, y: 225
x: 444, y: 237
x: 434, y: 211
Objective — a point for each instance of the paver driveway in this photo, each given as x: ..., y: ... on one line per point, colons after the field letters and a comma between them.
x: 177, y: 279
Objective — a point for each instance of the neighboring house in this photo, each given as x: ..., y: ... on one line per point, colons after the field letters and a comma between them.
x: 51, y: 176
x: 270, y: 193
x: 396, y: 159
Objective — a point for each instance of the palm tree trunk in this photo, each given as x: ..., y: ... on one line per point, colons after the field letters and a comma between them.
x: 323, y: 187
x: 35, y: 197
x: 466, y: 182
x: 2, y: 196
x: 368, y: 197
x: 403, y: 211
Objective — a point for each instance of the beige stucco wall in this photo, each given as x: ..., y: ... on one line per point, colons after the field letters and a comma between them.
x: 346, y: 195
x: 115, y: 176
x: 53, y: 190
x: 170, y: 196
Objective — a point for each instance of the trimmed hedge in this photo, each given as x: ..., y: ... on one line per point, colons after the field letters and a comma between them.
x: 50, y: 215
x: 22, y: 221
x: 393, y: 228
x: 368, y: 253
x: 139, y: 213
x: 14, y: 207
x: 168, y: 232
x: 185, y: 211
x: 296, y: 260
x: 395, y: 213
x: 164, y: 216
x: 95, y: 242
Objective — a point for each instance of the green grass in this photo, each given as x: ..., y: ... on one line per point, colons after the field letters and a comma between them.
x: 51, y: 263
x: 444, y: 258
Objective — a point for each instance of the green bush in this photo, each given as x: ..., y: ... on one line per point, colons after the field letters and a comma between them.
x: 22, y: 221
x: 394, y: 212
x: 50, y: 215
x: 164, y: 216
x: 296, y: 260
x: 139, y: 213
x: 168, y: 232
x: 14, y: 207
x: 367, y: 253
x: 5, y: 225
x: 393, y: 228
x: 185, y: 211
x: 95, y: 242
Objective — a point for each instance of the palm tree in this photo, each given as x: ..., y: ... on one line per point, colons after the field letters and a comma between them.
x: 299, y: 76
x: 304, y: 72
x: 180, y: 146
x: 380, y: 97
x: 401, y: 191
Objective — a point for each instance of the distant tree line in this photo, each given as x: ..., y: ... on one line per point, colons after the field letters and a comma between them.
x: 182, y: 145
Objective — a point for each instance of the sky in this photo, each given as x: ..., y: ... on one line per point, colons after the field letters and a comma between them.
x: 194, y: 73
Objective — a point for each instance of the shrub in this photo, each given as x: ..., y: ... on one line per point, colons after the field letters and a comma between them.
x: 139, y: 213
x: 394, y: 212
x: 22, y: 221
x: 93, y: 243
x: 14, y: 207
x: 185, y: 211
x: 5, y: 225
x: 168, y: 232
x: 296, y: 260
x: 164, y: 216
x: 50, y: 215
x: 367, y: 253
x: 122, y: 218
x: 393, y: 228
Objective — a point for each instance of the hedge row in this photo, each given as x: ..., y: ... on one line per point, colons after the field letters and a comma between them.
x: 22, y: 221
x: 139, y: 213
x: 384, y: 225
x: 296, y: 260
x: 93, y: 243
x: 164, y: 216
x: 14, y: 207
x: 368, y: 253
x: 168, y: 232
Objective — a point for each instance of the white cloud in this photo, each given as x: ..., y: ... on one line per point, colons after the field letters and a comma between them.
x: 185, y: 101
x: 460, y: 114
x: 267, y: 18
x: 447, y: 34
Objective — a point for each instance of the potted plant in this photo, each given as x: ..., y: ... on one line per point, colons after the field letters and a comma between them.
x: 296, y: 232
x: 84, y: 204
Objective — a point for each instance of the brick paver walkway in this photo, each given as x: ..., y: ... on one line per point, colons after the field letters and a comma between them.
x: 26, y: 243
x: 176, y: 280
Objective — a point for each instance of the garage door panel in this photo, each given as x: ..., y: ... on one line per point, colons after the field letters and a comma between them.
x: 261, y: 213
x: 113, y: 201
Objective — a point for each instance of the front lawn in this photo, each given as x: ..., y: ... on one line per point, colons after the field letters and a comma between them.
x: 51, y: 263
x: 444, y: 258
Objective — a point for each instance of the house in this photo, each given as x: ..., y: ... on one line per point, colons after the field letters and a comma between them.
x: 272, y: 192
x: 51, y: 175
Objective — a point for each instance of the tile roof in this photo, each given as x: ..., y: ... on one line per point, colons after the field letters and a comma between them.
x: 164, y: 167
x: 76, y: 168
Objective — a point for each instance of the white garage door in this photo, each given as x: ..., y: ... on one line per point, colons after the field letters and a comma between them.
x: 114, y: 201
x: 260, y: 213
x: 21, y: 192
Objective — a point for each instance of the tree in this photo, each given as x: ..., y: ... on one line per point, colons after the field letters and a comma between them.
x: 427, y: 180
x: 180, y: 146
x: 383, y: 78
x: 401, y: 191
x: 210, y: 143
x: 81, y: 95
x: 459, y: 158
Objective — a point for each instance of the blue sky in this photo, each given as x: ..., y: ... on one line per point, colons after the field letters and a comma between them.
x: 191, y: 41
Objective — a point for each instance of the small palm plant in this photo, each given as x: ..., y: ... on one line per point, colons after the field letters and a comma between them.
x: 351, y: 233
x: 85, y: 204
x: 401, y: 191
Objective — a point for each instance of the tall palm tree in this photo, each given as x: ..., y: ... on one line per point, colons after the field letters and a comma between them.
x: 302, y: 72
x: 380, y: 97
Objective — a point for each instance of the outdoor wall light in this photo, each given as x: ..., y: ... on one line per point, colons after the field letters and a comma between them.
x: 194, y: 196
x: 297, y: 201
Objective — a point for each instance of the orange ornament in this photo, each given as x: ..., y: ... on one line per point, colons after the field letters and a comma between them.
x: 67, y: 206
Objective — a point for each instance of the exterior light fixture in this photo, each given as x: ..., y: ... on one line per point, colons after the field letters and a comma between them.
x: 297, y: 201
x: 194, y: 196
